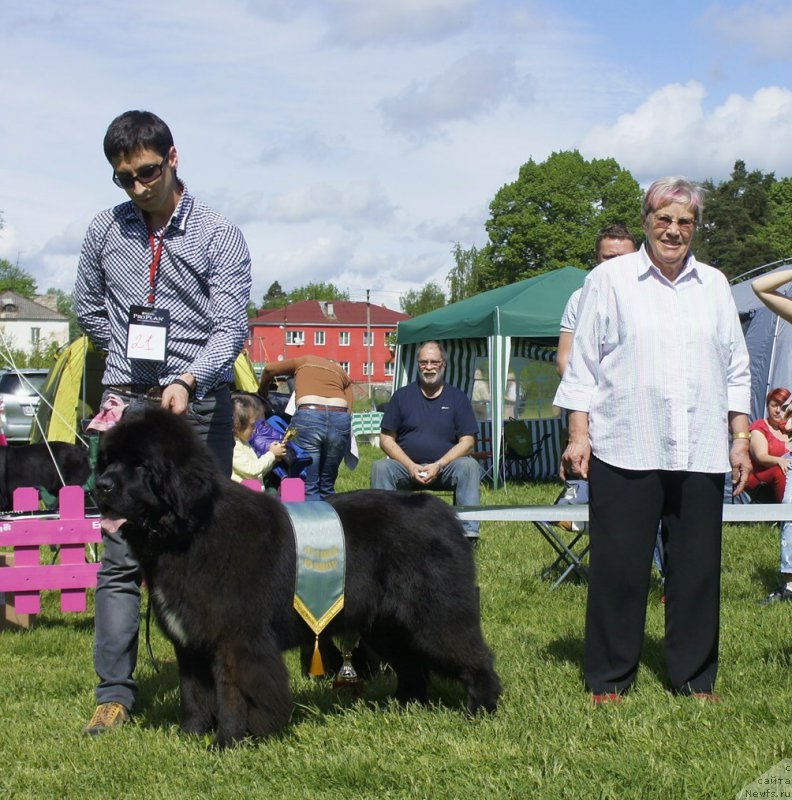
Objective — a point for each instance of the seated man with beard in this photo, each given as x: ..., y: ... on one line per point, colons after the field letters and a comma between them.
x: 428, y: 432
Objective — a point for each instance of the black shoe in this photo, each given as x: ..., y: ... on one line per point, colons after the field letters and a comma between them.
x: 777, y: 595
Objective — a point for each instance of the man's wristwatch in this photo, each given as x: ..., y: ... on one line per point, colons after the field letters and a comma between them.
x: 184, y: 385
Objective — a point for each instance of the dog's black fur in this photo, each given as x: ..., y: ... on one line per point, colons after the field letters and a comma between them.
x: 219, y: 561
x: 32, y: 465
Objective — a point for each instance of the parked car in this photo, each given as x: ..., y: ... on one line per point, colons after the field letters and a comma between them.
x: 19, y: 393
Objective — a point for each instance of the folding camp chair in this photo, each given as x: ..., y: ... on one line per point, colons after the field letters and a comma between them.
x: 570, y: 547
x: 569, y: 540
x: 521, y: 452
x: 485, y: 457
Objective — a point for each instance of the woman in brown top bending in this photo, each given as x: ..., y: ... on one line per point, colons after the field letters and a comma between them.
x: 324, y: 400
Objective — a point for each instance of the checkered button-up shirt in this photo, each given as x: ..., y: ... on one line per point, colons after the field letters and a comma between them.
x: 203, y: 280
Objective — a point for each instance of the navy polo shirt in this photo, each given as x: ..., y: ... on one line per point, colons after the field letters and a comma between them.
x: 426, y: 429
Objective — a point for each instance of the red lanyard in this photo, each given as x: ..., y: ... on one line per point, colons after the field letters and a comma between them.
x: 156, y: 255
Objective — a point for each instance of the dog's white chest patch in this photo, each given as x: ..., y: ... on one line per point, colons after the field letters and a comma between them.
x: 170, y: 619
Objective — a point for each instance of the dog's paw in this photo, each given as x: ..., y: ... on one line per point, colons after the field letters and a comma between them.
x: 224, y: 741
x: 197, y: 725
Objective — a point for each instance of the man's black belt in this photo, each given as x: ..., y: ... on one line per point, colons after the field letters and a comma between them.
x: 316, y: 407
x: 150, y: 391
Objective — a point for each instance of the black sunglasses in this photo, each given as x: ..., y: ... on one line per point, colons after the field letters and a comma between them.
x: 126, y: 180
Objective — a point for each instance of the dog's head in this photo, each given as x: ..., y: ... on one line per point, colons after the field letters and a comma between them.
x: 156, y: 477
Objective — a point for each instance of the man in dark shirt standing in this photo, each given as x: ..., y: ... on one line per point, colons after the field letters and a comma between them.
x: 162, y: 285
x: 428, y: 432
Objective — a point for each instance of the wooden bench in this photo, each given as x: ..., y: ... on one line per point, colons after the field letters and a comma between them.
x: 571, y: 551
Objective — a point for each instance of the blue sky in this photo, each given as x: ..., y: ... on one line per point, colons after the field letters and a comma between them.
x: 356, y: 141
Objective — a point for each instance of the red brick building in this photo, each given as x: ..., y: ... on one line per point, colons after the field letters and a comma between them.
x: 356, y: 335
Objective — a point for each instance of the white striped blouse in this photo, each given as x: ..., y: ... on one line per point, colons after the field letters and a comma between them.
x: 657, y: 365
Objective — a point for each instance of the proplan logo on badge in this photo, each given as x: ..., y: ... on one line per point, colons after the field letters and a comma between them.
x: 149, y: 317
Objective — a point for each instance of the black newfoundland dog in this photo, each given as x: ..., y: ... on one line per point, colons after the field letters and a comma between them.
x: 219, y: 561
x: 32, y: 465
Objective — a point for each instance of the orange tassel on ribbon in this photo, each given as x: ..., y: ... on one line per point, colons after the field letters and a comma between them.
x: 317, y: 667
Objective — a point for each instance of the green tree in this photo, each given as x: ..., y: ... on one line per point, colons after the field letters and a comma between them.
x: 470, y: 275
x: 40, y: 357
x: 550, y: 216
x: 778, y: 229
x: 417, y: 302
x: 275, y: 297
x: 735, y: 235
x: 15, y: 279
x: 316, y: 291
x: 66, y: 307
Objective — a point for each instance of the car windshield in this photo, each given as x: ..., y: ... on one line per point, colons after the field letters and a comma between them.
x: 11, y: 383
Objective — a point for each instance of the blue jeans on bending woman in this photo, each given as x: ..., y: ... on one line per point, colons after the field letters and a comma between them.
x: 325, y: 435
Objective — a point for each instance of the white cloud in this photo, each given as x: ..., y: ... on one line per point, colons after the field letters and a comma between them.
x: 313, y: 261
x: 364, y: 21
x: 475, y: 84
x: 673, y: 133
x: 9, y: 243
x: 764, y: 26
x: 464, y: 229
x: 359, y: 205
x: 300, y: 144
x: 68, y: 241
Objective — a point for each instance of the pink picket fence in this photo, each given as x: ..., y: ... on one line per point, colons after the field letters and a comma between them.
x: 23, y: 581
x: 70, y: 531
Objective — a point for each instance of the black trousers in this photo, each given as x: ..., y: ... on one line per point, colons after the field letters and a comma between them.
x: 625, y: 509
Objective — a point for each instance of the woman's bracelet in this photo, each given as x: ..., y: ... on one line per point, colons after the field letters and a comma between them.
x: 741, y: 435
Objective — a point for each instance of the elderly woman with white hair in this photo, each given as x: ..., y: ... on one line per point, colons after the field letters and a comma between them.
x: 657, y: 379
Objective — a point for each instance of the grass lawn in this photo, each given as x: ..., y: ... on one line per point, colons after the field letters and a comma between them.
x: 546, y: 741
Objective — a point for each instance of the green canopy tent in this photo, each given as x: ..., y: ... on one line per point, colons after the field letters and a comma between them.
x: 516, y: 321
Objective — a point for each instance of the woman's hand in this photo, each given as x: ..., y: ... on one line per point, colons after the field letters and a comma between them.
x: 575, y: 459
x: 741, y: 465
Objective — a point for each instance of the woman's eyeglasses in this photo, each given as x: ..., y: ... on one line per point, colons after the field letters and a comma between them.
x: 663, y: 221
x: 126, y: 180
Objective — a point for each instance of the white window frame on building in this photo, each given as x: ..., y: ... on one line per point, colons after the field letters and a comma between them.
x: 343, y: 338
x: 368, y: 367
x: 389, y: 369
x: 295, y: 337
x: 368, y: 338
x: 35, y: 336
x: 319, y: 338
x: 344, y: 366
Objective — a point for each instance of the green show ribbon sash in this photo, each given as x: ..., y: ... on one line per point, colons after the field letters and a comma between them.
x: 321, y: 567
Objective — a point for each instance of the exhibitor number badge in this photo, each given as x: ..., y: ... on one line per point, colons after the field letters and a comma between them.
x: 147, y: 336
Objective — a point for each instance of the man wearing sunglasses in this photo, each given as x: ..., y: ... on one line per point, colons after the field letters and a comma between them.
x: 163, y: 284
x: 428, y: 432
